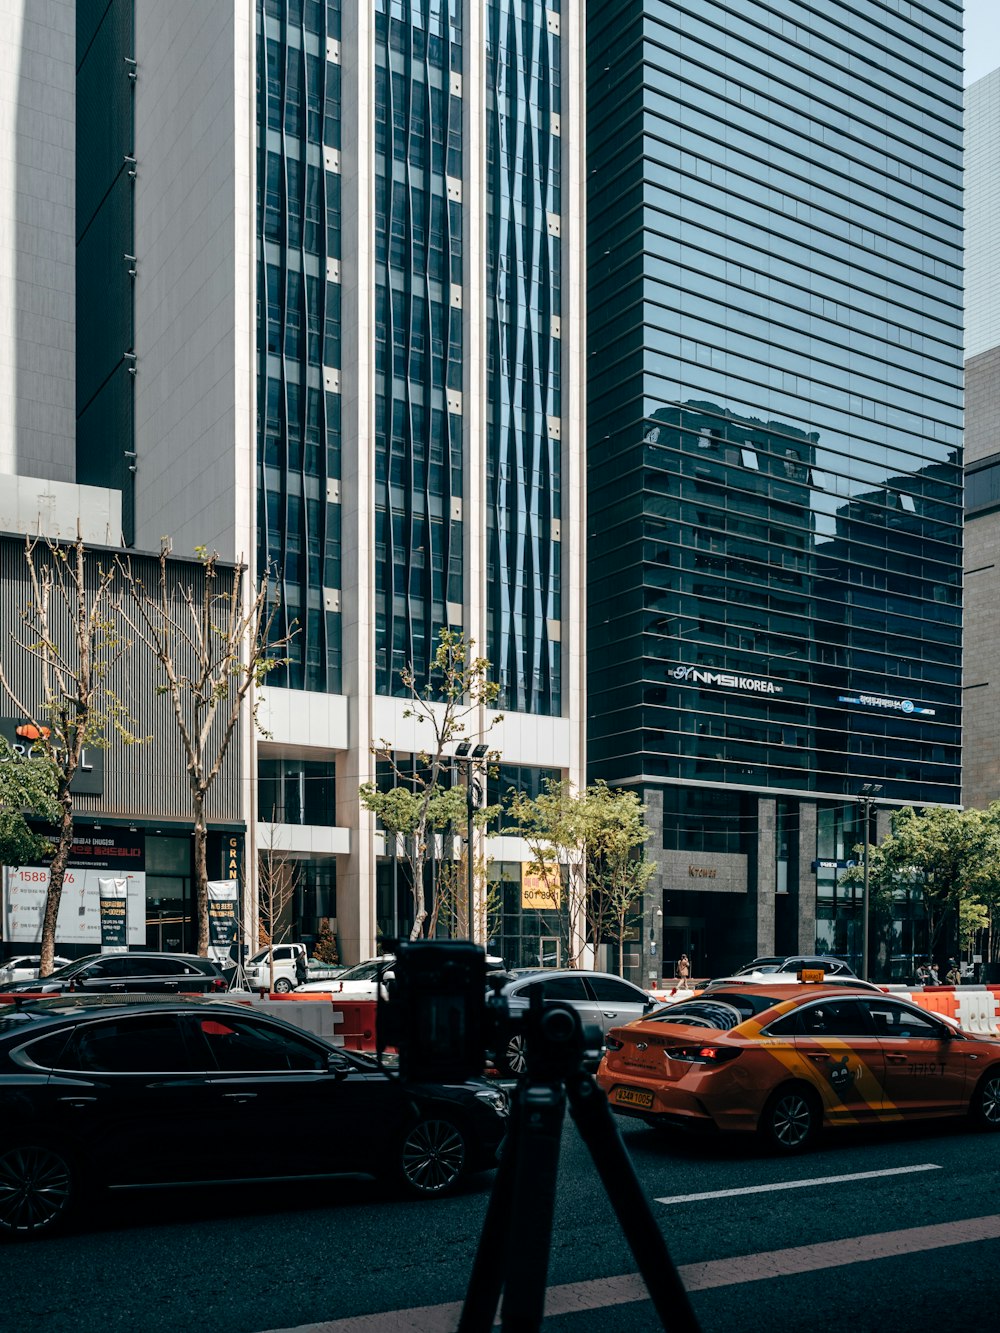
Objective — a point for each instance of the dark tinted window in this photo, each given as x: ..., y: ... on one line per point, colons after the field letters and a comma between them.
x: 238, y: 1044
x: 896, y: 1020
x: 564, y: 988
x: 46, y: 1053
x: 835, y: 1018
x: 611, y: 991
x: 145, y: 1043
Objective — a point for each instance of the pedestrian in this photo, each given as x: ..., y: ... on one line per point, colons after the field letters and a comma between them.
x: 301, y: 968
x: 953, y: 977
x: 932, y: 975
x: 683, y: 972
x: 923, y: 976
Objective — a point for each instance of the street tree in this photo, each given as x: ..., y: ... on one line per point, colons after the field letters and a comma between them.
x: 59, y: 682
x: 951, y: 856
x: 599, y: 835
x: 617, y: 871
x: 27, y: 787
x: 213, y: 637
x: 421, y: 803
x: 278, y: 879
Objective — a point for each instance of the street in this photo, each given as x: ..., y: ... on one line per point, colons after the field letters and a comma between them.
x: 246, y: 1259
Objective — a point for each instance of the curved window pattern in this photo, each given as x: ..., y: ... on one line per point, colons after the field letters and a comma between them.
x: 775, y: 500
x: 523, y: 352
x: 298, y: 323
x: 418, y: 332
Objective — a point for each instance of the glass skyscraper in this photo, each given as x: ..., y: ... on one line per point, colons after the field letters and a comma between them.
x: 775, y: 469
x: 342, y: 251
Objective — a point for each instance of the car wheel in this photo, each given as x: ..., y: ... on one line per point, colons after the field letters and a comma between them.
x: 513, y: 1060
x: 432, y: 1158
x: 791, y: 1120
x: 282, y: 986
x: 38, y: 1188
x: 985, y: 1105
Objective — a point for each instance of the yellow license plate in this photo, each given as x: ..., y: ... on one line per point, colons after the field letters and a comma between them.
x: 633, y: 1097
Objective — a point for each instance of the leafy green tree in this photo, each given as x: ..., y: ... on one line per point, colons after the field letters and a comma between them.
x: 952, y: 856
x: 599, y: 834
x: 27, y: 787
x: 421, y: 804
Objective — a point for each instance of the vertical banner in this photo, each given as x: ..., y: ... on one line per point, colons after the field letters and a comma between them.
x: 223, y: 903
x: 113, y: 899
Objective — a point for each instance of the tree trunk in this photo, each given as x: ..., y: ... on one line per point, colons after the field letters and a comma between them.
x: 201, y: 872
x: 419, y: 901
x: 57, y: 876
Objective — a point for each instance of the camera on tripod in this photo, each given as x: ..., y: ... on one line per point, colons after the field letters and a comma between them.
x: 445, y: 1012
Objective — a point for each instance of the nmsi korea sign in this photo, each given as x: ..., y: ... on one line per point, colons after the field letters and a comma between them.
x: 754, y: 684
x: 25, y: 742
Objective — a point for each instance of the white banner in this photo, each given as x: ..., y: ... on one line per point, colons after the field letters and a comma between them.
x: 114, y: 915
x: 79, y: 921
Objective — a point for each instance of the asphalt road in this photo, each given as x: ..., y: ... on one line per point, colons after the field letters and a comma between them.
x: 914, y: 1241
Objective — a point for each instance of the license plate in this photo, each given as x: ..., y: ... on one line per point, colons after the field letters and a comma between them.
x: 634, y: 1097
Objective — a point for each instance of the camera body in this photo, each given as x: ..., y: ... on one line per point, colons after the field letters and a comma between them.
x: 436, y: 1014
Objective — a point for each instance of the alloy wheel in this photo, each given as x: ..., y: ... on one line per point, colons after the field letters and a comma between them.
x: 36, y: 1189
x: 433, y: 1157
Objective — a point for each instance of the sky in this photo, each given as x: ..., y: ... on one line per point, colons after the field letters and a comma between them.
x: 982, y: 38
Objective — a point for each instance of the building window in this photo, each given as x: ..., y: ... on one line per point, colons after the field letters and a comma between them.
x: 296, y: 791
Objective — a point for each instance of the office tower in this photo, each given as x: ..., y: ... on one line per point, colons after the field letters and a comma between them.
x: 342, y: 337
x: 981, y: 749
x: 775, y: 484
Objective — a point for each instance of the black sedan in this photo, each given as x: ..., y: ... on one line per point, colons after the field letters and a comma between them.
x: 116, y: 973
x: 187, y: 1092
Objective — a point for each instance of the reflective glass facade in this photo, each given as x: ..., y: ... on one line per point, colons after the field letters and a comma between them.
x: 298, y: 322
x: 418, y: 332
x: 105, y: 249
x: 523, y: 282
x: 775, y: 517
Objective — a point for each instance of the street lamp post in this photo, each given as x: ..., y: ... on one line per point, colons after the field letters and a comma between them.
x: 469, y: 755
x: 866, y: 799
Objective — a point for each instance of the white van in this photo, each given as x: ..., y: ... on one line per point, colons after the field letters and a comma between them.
x: 258, y: 969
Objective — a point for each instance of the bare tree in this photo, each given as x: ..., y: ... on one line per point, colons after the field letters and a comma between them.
x: 277, y: 883
x: 214, y: 641
x: 68, y: 634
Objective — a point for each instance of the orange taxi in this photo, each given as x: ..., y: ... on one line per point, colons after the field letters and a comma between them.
x: 787, y: 1060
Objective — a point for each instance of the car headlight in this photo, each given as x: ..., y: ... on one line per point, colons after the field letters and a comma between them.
x: 495, y: 1097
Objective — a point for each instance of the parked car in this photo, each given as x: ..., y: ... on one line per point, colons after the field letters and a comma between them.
x: 830, y: 965
x: 601, y: 999
x: 787, y: 1061
x: 362, y: 981
x: 773, y: 979
x: 108, y: 1097
x: 258, y: 967
x: 24, y: 967
x: 111, y: 973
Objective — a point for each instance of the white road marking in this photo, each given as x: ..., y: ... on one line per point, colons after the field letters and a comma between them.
x: 798, y: 1184
x: 625, y: 1288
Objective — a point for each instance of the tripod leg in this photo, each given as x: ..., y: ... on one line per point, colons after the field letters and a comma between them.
x: 529, y: 1241
x: 486, y: 1280
x: 599, y: 1132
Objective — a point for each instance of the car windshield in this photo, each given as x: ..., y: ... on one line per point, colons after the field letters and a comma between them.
x: 70, y: 969
x: 363, y: 971
x: 759, y: 965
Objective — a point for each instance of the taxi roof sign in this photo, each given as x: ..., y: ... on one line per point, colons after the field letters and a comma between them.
x: 812, y: 974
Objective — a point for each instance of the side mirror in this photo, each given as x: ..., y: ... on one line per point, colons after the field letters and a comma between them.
x: 337, y: 1066
x: 650, y: 1003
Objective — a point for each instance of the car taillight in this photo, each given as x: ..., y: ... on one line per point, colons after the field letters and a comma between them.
x: 613, y: 1044
x: 708, y: 1055
x: 218, y: 983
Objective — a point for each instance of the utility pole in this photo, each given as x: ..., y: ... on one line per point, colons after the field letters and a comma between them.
x: 866, y: 799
